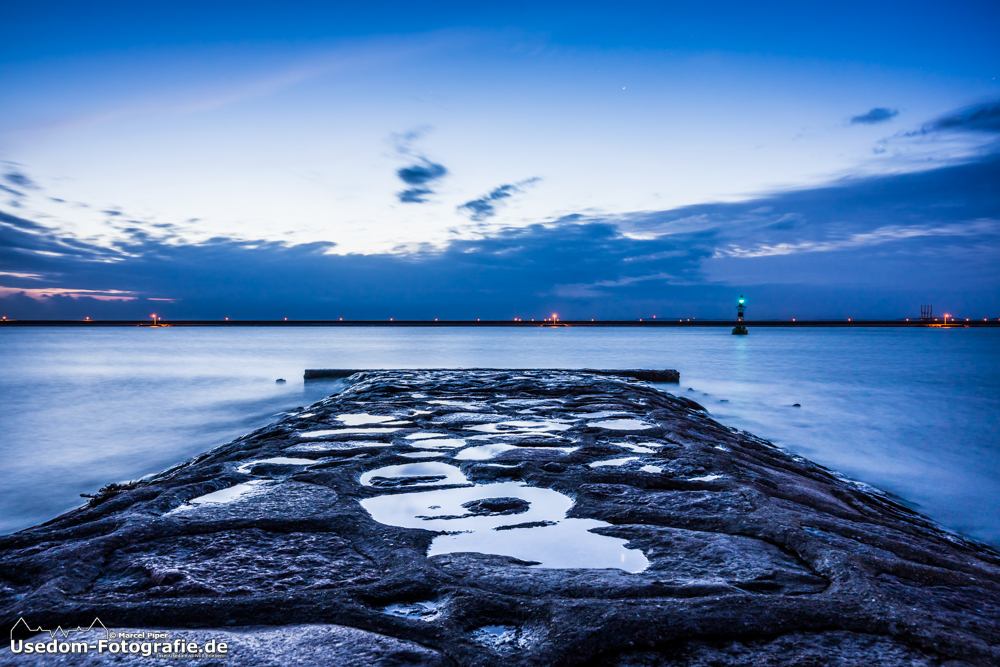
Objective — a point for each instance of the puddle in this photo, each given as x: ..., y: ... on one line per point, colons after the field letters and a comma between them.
x: 504, y: 518
x: 541, y: 427
x: 431, y: 473
x: 233, y: 493
x: 424, y: 436
x: 469, y: 417
x: 424, y: 611
x: 623, y: 424
x: 722, y: 448
x: 483, y: 452
x: 423, y: 412
x: 397, y: 423
x: 245, y: 468
x: 653, y: 469
x: 706, y: 478
x: 308, y: 414
x: 346, y: 431
x: 459, y: 404
x: 438, y: 443
x: 600, y: 415
x: 612, y: 462
x: 418, y: 395
x: 335, y: 446
x: 638, y: 449
x: 421, y: 455
x: 364, y: 418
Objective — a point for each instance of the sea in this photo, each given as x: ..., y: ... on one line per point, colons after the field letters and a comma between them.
x: 913, y: 412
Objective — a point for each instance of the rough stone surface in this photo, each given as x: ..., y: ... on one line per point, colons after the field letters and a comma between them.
x: 737, y: 553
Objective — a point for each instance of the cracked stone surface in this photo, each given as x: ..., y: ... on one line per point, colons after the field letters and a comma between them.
x: 691, y: 544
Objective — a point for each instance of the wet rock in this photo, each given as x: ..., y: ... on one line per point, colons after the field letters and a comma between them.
x: 691, y: 543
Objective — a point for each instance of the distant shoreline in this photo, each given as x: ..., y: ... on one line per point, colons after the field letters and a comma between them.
x: 500, y: 323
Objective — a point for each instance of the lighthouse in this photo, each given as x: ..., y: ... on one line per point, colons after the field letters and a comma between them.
x: 739, y: 329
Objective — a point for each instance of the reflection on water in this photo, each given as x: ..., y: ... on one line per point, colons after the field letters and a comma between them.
x: 913, y: 411
x: 503, y: 518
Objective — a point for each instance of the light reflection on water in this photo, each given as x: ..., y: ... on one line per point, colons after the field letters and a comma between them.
x: 915, y: 412
x: 554, y: 542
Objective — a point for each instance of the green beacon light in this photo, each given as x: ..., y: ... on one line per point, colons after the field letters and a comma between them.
x: 739, y: 329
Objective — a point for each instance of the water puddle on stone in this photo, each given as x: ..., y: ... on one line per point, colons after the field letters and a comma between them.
x: 613, y: 462
x: 653, y: 469
x: 364, y: 418
x: 346, y: 431
x: 706, y: 478
x: 283, y: 460
x: 638, y: 449
x: 335, y: 446
x: 308, y: 414
x: 233, y: 493
x: 483, y: 452
x: 431, y: 473
x: 600, y: 415
x: 623, y: 424
x: 424, y: 436
x: 421, y: 455
x: 517, y: 427
x: 503, y: 518
x: 438, y: 443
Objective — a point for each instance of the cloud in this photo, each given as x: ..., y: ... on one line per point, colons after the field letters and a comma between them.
x: 979, y: 118
x: 485, y: 206
x: 19, y: 179
x: 875, y: 115
x: 414, y: 195
x: 421, y: 174
x: 864, y: 246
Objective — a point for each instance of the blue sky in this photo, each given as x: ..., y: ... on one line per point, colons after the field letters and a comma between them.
x: 313, y: 160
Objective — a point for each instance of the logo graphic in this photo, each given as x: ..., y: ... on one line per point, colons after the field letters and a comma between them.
x: 60, y: 631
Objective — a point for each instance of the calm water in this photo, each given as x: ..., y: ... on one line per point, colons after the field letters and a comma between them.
x: 915, y: 412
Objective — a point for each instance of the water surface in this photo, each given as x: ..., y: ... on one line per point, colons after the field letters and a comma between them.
x: 915, y: 412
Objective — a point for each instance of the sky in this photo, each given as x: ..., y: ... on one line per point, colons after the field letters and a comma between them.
x: 317, y: 160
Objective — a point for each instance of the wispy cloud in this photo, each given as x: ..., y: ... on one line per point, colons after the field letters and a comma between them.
x: 865, y: 239
x: 876, y: 115
x: 979, y: 118
x: 486, y: 206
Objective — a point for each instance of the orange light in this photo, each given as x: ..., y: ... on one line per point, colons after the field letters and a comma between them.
x: 793, y: 319
x: 227, y: 319
x: 435, y: 319
x: 286, y: 319
x: 848, y: 319
x: 390, y: 319
x: 341, y: 319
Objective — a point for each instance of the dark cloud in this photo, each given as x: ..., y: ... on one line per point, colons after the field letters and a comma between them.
x: 414, y: 195
x: 876, y: 115
x: 19, y: 179
x: 979, y: 118
x: 485, y: 206
x: 419, y: 175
